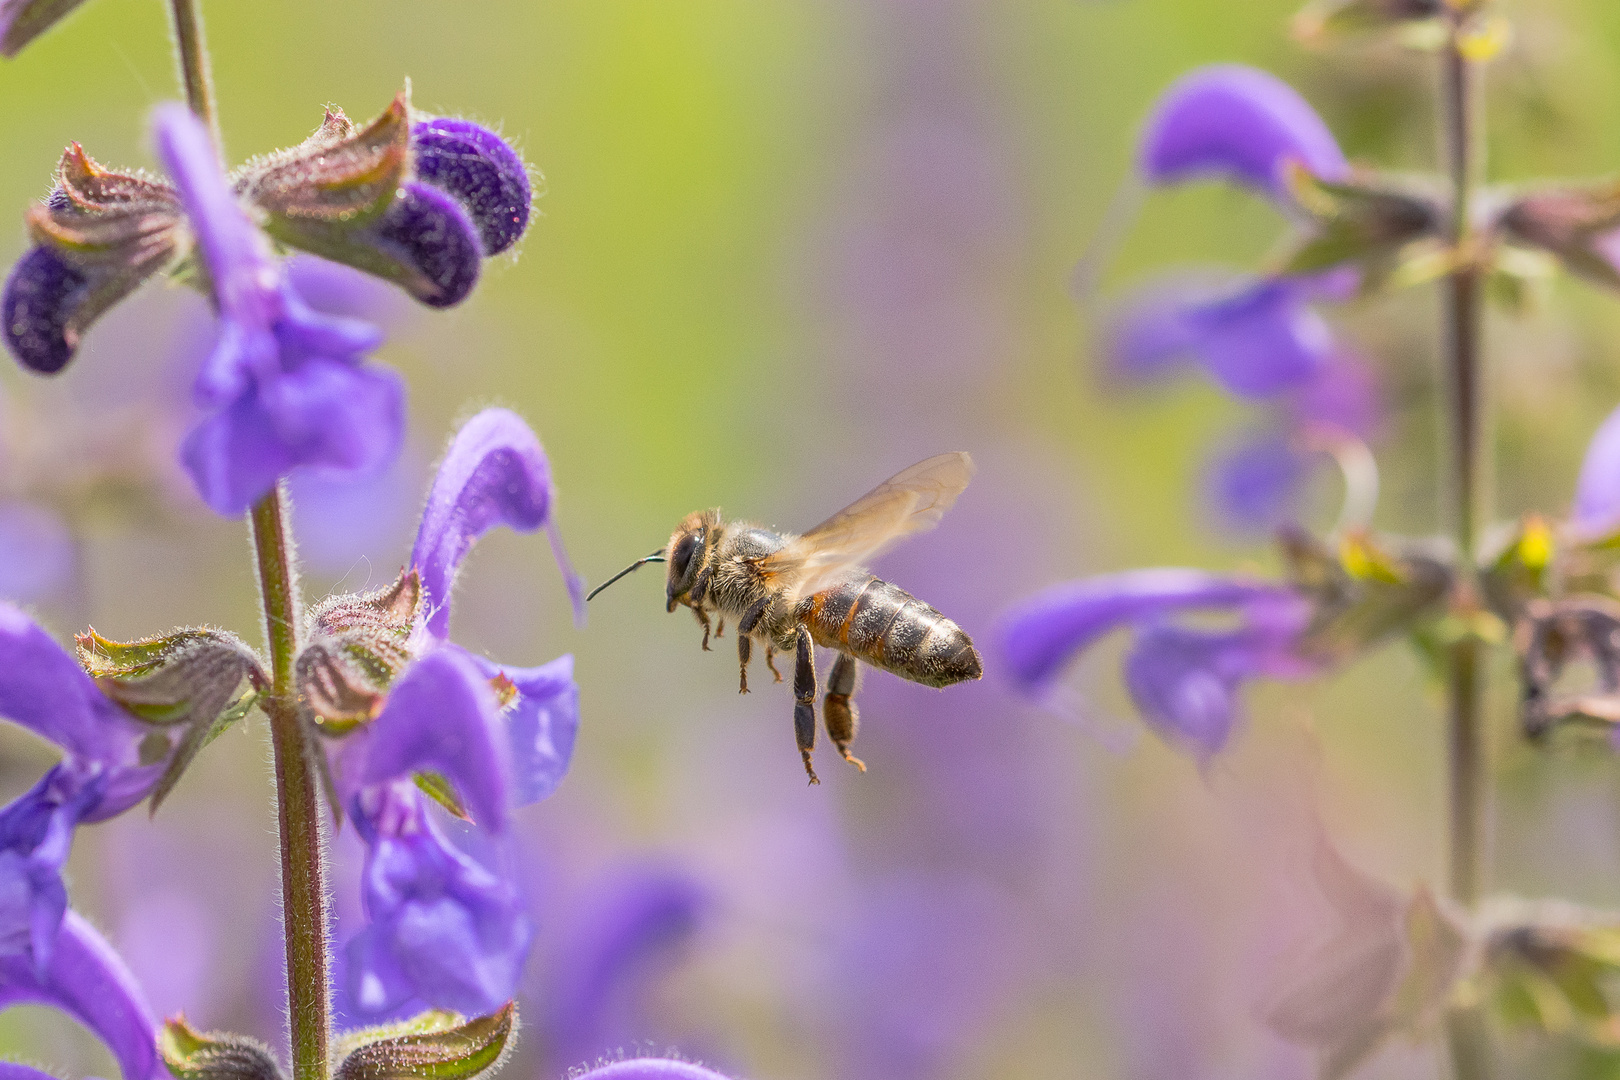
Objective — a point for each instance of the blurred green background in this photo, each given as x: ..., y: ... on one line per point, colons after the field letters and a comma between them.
x: 783, y: 250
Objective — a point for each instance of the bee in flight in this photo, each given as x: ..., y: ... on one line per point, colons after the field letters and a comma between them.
x: 789, y: 593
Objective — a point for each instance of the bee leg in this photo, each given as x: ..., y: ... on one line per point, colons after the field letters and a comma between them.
x: 700, y: 588
x: 804, y: 701
x: 745, y: 649
x: 770, y: 661
x: 839, y: 712
x: 720, y: 627
x: 703, y: 619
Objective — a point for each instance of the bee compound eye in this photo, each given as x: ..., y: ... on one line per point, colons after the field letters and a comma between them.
x: 682, y: 558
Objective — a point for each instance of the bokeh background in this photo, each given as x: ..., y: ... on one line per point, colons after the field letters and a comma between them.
x: 786, y: 248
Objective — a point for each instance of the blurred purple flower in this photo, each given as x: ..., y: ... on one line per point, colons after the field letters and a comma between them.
x: 650, y: 1069
x: 1254, y: 485
x: 37, y: 551
x: 444, y: 929
x: 1238, y: 124
x: 632, y: 924
x: 1186, y: 682
x: 85, y: 979
x: 1596, y: 513
x: 285, y: 385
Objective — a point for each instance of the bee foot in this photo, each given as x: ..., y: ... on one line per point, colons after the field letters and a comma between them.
x: 855, y: 761
x: 808, y: 768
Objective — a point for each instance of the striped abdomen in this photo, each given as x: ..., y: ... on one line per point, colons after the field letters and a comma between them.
x: 887, y: 627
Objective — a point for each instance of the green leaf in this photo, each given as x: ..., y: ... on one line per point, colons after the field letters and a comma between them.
x: 191, y: 1055
x: 425, y: 1050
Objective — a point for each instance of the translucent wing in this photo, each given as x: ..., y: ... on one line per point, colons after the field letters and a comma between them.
x: 909, y: 502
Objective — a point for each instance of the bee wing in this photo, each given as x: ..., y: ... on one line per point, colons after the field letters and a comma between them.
x: 911, y: 501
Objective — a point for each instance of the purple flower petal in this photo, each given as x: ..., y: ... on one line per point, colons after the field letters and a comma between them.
x: 651, y: 1069
x: 1039, y: 635
x: 1186, y: 685
x: 87, y: 980
x: 1238, y: 124
x: 1344, y: 395
x: 10, y: 1070
x: 481, y: 170
x: 283, y: 381
x: 540, y: 725
x: 36, y: 551
x: 1256, y: 485
x: 36, y: 833
x: 1596, y: 513
x: 433, y: 234
x: 441, y: 716
x: 442, y: 928
x: 495, y: 473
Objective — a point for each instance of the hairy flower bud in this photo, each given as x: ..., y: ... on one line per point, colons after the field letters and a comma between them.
x: 358, y: 644
x: 185, y: 680
x: 214, y: 1056
x: 480, y: 169
x: 439, y: 1045
x: 98, y: 236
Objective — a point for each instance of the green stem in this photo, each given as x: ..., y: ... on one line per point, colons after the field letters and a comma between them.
x: 303, y: 885
x: 191, y: 51
x: 1468, y: 480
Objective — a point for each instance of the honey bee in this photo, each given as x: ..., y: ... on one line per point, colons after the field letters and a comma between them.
x: 790, y: 593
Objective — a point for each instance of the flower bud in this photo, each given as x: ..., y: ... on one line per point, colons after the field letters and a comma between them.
x: 1573, y: 224
x: 98, y: 236
x: 481, y: 170
x: 435, y: 1044
x: 214, y: 1056
x: 358, y: 644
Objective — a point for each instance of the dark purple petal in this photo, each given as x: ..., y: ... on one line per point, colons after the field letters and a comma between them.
x: 1186, y: 685
x: 540, y: 725
x: 480, y: 169
x: 1596, y: 513
x: 326, y: 414
x: 1256, y: 485
x: 87, y: 980
x: 651, y: 1069
x: 634, y: 923
x: 1239, y: 124
x: 283, y: 381
x: 430, y: 231
x: 42, y: 292
x: 442, y: 928
x: 1039, y: 634
x: 495, y: 473
x: 441, y: 716
x: 46, y: 691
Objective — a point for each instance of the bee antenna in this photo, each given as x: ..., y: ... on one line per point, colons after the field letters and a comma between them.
x: 657, y: 556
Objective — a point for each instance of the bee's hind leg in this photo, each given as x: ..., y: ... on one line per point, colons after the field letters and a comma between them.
x: 770, y: 661
x: 839, y: 712
x: 804, y: 700
x: 745, y: 651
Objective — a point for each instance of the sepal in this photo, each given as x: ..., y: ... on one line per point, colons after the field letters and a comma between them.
x: 1366, y: 221
x: 1570, y: 224
x: 434, y: 1046
x: 1554, y: 967
x: 98, y: 237
x: 191, y: 1055
x: 358, y: 644
x: 185, y: 680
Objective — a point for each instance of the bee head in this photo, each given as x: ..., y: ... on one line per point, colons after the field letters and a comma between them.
x: 687, y: 551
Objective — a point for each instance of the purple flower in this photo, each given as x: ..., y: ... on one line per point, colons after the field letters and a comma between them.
x: 86, y: 979
x: 1256, y: 338
x: 285, y: 386
x: 443, y: 929
x: 651, y: 1069
x: 481, y: 170
x: 37, y: 551
x: 111, y: 762
x: 1186, y: 682
x: 1596, y: 513
x: 1238, y: 124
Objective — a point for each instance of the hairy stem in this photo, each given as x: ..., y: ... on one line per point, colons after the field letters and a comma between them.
x: 303, y: 885
x: 191, y: 52
x: 1467, y: 478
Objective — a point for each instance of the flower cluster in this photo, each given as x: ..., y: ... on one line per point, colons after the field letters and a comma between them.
x: 419, y: 201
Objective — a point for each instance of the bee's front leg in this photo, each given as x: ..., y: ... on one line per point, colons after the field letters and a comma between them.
x: 703, y: 620
x: 804, y: 700
x: 745, y: 649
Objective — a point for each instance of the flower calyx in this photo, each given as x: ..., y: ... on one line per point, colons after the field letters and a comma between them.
x: 98, y: 236
x: 1368, y: 221
x: 358, y: 644
x: 1553, y: 966
x: 186, y: 681
x: 191, y: 1055
x: 1570, y: 223
x: 433, y: 1046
